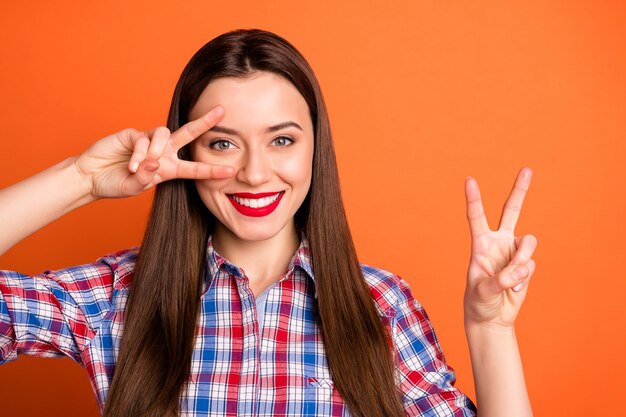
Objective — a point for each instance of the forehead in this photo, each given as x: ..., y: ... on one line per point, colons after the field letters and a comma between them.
x: 260, y: 100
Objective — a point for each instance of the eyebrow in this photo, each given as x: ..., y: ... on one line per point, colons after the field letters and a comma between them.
x: 280, y: 126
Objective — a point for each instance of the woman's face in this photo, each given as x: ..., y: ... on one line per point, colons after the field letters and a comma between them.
x: 267, y: 136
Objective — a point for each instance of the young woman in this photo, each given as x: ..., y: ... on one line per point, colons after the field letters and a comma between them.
x: 246, y: 296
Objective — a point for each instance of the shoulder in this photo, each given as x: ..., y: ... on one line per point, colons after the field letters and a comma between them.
x: 389, y: 291
x: 413, y: 331
x: 121, y: 265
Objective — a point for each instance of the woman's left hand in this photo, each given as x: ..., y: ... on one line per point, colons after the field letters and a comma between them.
x: 501, y: 263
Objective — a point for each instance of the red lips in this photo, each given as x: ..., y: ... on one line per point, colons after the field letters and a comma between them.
x: 259, y: 211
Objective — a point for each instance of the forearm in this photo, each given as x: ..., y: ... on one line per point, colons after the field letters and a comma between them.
x: 498, y: 373
x: 33, y: 203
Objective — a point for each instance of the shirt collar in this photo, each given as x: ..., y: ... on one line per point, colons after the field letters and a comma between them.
x: 301, y: 259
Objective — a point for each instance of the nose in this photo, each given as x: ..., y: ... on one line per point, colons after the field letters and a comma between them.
x: 255, y: 169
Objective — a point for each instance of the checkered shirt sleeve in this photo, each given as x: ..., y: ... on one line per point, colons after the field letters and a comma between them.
x: 55, y: 313
x: 424, y: 379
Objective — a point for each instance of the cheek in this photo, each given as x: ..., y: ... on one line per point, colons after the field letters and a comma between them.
x: 297, y: 171
x: 207, y: 189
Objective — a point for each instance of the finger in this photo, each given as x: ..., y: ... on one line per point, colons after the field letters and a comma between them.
x: 129, y: 139
x: 140, y: 150
x: 138, y: 182
x: 513, y: 205
x: 524, y: 283
x: 513, y: 277
x: 201, y: 170
x: 158, y: 140
x: 475, y: 212
x: 190, y: 131
x: 525, y: 250
x: 509, y: 277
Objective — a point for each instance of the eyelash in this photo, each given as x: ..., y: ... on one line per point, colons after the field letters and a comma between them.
x: 290, y: 140
x: 214, y: 144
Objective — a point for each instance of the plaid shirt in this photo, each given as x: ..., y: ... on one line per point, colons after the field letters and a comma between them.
x: 237, y: 368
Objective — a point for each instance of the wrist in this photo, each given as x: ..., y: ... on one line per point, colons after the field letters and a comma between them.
x: 84, y: 183
x: 497, y: 368
x: 476, y: 329
x: 77, y: 188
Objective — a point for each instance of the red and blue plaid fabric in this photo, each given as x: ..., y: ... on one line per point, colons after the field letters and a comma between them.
x: 238, y: 368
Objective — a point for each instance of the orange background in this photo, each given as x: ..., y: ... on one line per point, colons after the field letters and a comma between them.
x: 421, y: 94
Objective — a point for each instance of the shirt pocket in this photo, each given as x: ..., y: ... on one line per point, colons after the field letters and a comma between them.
x: 323, y: 399
x: 320, y: 383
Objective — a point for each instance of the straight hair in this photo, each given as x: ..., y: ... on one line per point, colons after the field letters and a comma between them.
x: 154, y: 360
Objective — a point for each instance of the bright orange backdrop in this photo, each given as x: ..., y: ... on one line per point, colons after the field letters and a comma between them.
x: 421, y: 94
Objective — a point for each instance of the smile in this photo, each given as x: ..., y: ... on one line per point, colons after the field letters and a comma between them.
x: 255, y: 204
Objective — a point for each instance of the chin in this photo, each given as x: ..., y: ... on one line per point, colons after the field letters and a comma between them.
x: 256, y: 233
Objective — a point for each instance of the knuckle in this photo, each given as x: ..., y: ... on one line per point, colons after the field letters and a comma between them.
x: 189, y: 130
x: 131, y: 131
x: 162, y: 130
x: 195, y: 170
x: 474, y: 215
x: 514, y: 207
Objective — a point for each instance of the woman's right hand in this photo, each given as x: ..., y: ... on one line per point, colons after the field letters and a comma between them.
x: 129, y: 162
x: 120, y: 165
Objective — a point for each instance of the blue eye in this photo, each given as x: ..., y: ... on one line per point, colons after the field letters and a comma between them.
x: 221, y: 145
x: 282, y: 141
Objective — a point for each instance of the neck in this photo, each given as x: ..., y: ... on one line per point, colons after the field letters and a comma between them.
x: 263, y: 261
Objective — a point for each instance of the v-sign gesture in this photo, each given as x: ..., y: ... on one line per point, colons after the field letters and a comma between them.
x: 501, y: 263
x: 123, y: 164
x: 131, y: 161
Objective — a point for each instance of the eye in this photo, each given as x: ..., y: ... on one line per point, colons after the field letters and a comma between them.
x: 282, y: 141
x: 221, y: 145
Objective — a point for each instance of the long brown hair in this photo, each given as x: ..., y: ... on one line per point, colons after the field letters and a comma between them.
x: 163, y: 306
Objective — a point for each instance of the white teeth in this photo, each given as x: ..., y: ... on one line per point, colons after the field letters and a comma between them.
x: 256, y: 202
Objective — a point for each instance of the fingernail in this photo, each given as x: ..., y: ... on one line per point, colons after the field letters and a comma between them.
x: 520, y: 272
x: 151, y: 165
x: 134, y: 167
x: 519, y: 286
